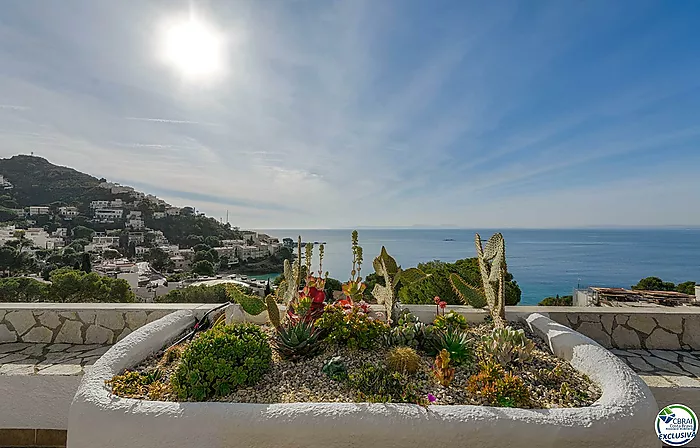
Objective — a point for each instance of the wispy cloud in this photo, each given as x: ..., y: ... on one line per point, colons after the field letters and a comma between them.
x: 357, y: 112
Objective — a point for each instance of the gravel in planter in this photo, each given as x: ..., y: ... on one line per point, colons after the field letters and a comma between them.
x: 550, y: 381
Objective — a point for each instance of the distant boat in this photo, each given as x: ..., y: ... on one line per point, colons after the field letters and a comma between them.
x: 448, y: 239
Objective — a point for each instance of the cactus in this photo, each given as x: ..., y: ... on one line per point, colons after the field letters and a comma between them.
x: 507, y: 345
x: 254, y: 305
x: 492, y: 265
x: 385, y: 266
x: 403, y: 359
x: 288, y: 291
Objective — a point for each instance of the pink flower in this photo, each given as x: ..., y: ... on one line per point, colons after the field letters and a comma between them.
x: 442, y: 305
x: 436, y: 299
x: 431, y: 398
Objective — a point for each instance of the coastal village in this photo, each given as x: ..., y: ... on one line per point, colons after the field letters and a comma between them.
x: 125, y: 217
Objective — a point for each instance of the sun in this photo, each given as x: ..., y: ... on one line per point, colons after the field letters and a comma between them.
x: 194, y: 48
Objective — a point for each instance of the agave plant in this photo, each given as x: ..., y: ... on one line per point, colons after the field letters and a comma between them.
x: 456, y: 342
x: 298, y: 340
x: 507, y: 345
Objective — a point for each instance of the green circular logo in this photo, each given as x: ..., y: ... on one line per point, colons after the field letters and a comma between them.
x: 676, y: 425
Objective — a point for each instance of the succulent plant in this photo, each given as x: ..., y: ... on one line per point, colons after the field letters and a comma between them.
x: 442, y: 370
x: 403, y: 359
x: 255, y: 305
x: 298, y: 340
x: 386, y: 267
x: 452, y: 320
x: 456, y: 343
x: 507, y: 345
x: 409, y: 332
x: 492, y: 265
x: 335, y: 368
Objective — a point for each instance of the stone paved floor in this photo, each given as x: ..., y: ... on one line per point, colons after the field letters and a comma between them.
x: 663, y: 368
x: 21, y: 358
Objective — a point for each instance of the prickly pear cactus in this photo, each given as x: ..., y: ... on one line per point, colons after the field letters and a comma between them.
x: 385, y: 265
x: 273, y: 311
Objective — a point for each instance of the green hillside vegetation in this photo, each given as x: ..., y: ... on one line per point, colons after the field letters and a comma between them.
x: 656, y: 284
x: 36, y: 181
x: 190, y: 230
x: 557, y: 301
x: 67, y: 286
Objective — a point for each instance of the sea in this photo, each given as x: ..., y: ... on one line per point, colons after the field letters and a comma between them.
x: 543, y: 262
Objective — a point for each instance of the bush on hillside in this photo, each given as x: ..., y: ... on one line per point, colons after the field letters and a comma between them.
x: 557, y: 301
x: 196, y: 294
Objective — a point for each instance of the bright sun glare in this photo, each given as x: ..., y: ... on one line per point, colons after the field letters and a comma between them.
x: 194, y: 48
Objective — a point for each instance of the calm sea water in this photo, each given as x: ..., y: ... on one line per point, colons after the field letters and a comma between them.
x: 544, y: 262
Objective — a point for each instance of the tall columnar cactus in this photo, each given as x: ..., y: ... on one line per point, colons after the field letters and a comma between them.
x: 492, y: 265
x: 288, y: 290
x: 385, y: 266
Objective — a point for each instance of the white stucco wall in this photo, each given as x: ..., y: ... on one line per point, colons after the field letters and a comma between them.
x: 623, y: 417
x: 36, y: 401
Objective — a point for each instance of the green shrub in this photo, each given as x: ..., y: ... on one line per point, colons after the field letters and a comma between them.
x: 557, y: 301
x: 377, y: 384
x: 353, y: 328
x: 220, y: 360
x: 196, y: 294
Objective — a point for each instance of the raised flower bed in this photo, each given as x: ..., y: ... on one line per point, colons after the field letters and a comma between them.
x: 337, y: 375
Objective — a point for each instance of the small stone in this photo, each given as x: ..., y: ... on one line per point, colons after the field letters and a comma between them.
x: 7, y: 335
x: 595, y: 332
x: 662, y: 340
x: 694, y: 370
x: 126, y: 332
x: 668, y: 355
x: 13, y: 347
x: 621, y: 319
x: 38, y: 334
x: 96, y: 352
x: 110, y: 319
x: 683, y: 381
x: 639, y: 352
x: 623, y: 353
x: 671, y: 322
x: 58, y: 347
x: 87, y: 317
x: 62, y: 369
x: 71, y: 333
x: 644, y: 324
x: 49, y: 319
x: 83, y: 347
x: 90, y: 360
x: 155, y: 315
x: 639, y: 365
x: 17, y: 369
x: 662, y: 364
x: 625, y: 338
x: 34, y: 350
x: 691, y: 360
x: 14, y: 357
x: 98, y: 335
x: 656, y: 381
x: 136, y: 319
x: 21, y: 321
x: 607, y: 321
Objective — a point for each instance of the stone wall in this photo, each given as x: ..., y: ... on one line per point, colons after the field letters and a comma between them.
x: 653, y: 328
x: 79, y: 323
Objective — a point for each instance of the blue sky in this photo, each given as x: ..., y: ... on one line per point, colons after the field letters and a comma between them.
x: 372, y: 113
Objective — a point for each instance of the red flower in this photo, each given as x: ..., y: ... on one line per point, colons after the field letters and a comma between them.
x: 316, y: 295
x: 442, y: 305
x: 436, y: 299
x: 364, y: 306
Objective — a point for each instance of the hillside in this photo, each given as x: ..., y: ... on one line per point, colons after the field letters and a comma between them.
x: 38, y: 182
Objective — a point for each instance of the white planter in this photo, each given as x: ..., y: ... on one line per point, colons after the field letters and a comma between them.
x: 623, y: 417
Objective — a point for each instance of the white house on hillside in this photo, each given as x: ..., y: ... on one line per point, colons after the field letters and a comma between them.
x: 109, y: 213
x: 38, y: 210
